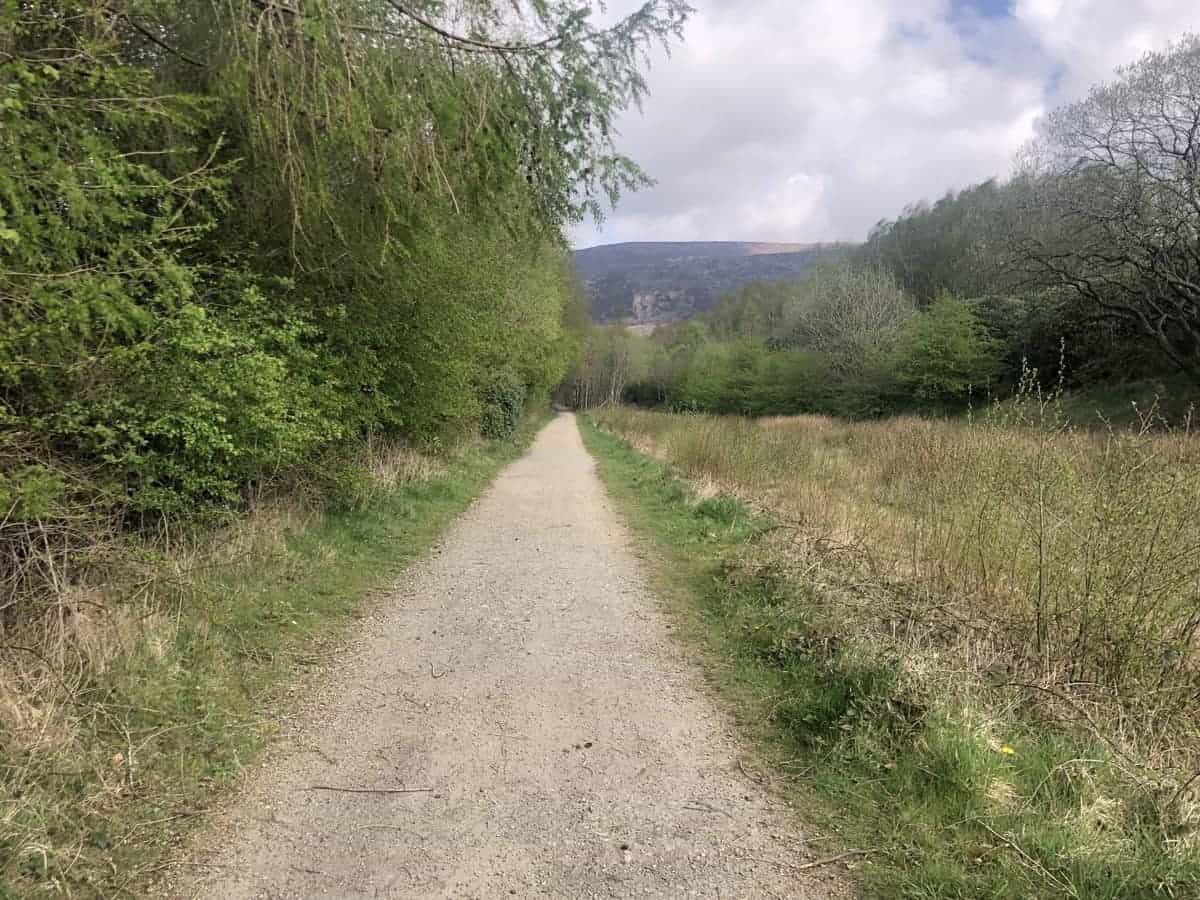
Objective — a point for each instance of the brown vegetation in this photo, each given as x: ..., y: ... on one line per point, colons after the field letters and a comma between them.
x: 1059, y: 563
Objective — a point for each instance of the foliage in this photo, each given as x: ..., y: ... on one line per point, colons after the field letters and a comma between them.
x: 1083, y: 268
x: 237, y: 238
x: 947, y: 246
x: 945, y: 354
x: 848, y: 313
x: 503, y: 399
x: 112, y: 346
x: 826, y: 343
x: 1108, y: 201
x: 238, y: 241
x: 610, y: 359
x: 1094, y: 239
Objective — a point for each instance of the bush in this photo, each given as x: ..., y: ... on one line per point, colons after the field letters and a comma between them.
x: 502, y: 400
x: 944, y: 354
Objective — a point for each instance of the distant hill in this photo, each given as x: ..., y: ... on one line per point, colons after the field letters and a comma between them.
x: 653, y: 283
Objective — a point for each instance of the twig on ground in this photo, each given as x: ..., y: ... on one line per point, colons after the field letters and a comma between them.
x: 704, y: 806
x: 349, y: 790
x: 829, y: 860
x: 816, y: 863
x: 757, y: 779
x: 1029, y: 860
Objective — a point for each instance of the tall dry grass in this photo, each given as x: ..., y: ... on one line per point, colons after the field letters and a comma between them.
x: 107, y: 653
x: 1058, y: 561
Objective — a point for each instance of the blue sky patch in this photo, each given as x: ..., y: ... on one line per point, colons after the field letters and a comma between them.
x: 988, y: 9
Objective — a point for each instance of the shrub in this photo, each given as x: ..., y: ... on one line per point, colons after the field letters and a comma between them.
x: 502, y: 400
x: 945, y: 353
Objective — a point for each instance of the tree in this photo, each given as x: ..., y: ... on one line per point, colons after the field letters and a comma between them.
x: 946, y: 246
x: 451, y: 99
x: 945, y: 353
x: 237, y: 233
x: 611, y: 360
x: 1109, y: 205
x: 852, y: 314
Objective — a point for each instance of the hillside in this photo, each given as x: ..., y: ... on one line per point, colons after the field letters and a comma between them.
x: 653, y: 283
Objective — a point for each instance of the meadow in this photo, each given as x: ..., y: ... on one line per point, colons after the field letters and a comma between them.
x: 976, y: 639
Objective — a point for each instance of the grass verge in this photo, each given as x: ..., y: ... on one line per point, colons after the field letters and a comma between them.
x: 958, y: 793
x: 101, y: 779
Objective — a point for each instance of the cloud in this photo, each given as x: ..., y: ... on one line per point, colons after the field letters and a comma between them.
x: 1091, y: 38
x: 807, y: 120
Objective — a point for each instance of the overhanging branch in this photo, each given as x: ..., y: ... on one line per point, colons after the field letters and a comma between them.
x: 472, y: 42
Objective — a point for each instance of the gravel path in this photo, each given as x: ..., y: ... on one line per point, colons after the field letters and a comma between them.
x: 524, y: 684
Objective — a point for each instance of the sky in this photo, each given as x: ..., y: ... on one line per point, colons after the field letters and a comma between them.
x: 811, y: 120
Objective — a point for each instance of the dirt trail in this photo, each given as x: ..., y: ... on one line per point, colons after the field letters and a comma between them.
x: 523, y: 681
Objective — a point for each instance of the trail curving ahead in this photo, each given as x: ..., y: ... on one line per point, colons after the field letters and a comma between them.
x: 524, y: 683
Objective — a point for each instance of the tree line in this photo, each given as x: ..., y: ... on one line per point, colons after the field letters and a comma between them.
x: 237, y: 236
x: 1083, y: 267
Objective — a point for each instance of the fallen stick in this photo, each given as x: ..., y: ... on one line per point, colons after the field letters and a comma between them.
x: 829, y: 860
x: 757, y: 779
x: 347, y: 790
x: 816, y: 863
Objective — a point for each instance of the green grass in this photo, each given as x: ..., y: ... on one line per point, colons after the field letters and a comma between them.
x: 94, y: 796
x: 1169, y: 401
x: 955, y: 792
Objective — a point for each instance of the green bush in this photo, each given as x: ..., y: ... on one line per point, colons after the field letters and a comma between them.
x: 210, y: 399
x: 146, y: 339
x: 945, y: 354
x: 31, y: 492
x: 342, y: 483
x: 502, y: 401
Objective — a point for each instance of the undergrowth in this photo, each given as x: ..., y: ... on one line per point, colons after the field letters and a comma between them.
x: 119, y: 730
x: 957, y: 786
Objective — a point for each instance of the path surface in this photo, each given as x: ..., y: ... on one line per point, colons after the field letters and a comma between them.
x: 524, y: 676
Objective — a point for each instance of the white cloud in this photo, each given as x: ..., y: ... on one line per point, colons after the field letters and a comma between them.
x: 1091, y: 38
x: 812, y: 119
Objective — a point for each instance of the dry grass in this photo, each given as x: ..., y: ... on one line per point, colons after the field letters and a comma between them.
x: 128, y: 663
x: 391, y: 463
x: 872, y: 598
x: 87, y: 596
x: 1015, y: 548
